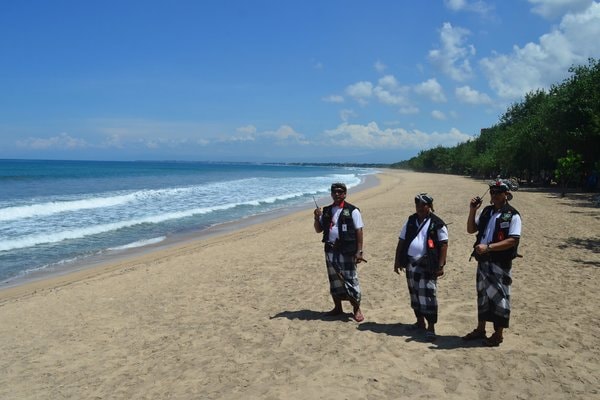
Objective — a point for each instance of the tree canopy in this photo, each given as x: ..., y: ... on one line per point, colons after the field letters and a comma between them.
x: 532, y: 136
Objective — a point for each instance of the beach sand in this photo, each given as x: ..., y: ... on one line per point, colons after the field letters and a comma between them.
x: 240, y: 315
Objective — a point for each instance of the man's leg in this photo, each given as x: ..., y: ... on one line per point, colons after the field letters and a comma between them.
x: 358, y: 315
x: 337, y: 307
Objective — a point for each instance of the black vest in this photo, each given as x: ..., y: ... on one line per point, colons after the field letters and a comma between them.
x: 506, y: 214
x: 347, y: 238
x: 433, y: 252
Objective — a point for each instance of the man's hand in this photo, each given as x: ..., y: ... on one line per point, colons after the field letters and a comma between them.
x: 317, y: 212
x: 359, y: 257
x: 475, y: 203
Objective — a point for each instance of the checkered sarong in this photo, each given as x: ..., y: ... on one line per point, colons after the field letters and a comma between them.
x: 343, y: 276
x: 422, y: 286
x: 493, y: 293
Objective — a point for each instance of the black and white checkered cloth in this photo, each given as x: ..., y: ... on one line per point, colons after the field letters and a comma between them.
x: 493, y: 293
x: 343, y: 276
x: 422, y: 286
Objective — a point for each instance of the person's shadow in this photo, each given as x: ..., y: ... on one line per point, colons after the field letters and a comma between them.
x: 310, y: 315
x: 414, y: 334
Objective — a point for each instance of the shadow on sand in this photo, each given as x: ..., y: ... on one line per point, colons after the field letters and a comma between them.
x: 442, y: 342
x: 412, y: 334
x: 310, y: 315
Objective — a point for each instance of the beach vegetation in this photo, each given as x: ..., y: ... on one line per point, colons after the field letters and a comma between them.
x: 569, y: 169
x: 534, y: 139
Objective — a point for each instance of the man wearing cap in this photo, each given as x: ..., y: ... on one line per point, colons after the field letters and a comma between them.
x: 498, y: 229
x: 421, y: 251
x: 342, y: 228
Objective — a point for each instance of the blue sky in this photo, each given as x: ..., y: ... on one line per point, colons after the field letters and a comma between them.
x: 274, y: 80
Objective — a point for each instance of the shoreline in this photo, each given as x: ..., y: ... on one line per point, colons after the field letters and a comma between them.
x: 79, y: 269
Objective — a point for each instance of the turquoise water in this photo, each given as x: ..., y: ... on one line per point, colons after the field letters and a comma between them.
x: 54, y: 213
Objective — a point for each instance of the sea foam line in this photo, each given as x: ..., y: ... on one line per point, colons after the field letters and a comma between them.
x: 54, y: 207
x: 45, y: 238
x: 139, y: 243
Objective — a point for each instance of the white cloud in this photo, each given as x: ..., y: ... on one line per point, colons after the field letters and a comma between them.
x: 387, y: 97
x: 360, y: 90
x: 431, y: 89
x: 244, y: 134
x: 334, y: 98
x: 388, y: 82
x: 371, y: 136
x: 161, y: 142
x: 539, y: 65
x: 554, y: 8
x: 409, y: 110
x: 61, y: 142
x: 387, y: 91
x: 229, y: 139
x: 456, y: 5
x: 437, y: 114
x: 379, y: 66
x: 466, y: 94
x: 113, y: 140
x: 453, y: 56
x: 478, y: 6
x: 286, y: 133
x: 248, y: 129
x: 346, y: 114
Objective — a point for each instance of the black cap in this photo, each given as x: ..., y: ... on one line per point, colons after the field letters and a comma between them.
x: 425, y: 199
x: 338, y: 185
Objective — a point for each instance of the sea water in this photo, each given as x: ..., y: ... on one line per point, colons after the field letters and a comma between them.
x: 58, y: 213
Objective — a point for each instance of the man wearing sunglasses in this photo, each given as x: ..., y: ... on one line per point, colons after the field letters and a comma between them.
x: 421, y: 251
x: 342, y: 228
x: 498, y: 229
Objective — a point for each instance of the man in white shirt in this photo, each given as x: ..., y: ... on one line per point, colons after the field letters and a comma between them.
x: 421, y: 250
x: 498, y: 229
x: 342, y: 228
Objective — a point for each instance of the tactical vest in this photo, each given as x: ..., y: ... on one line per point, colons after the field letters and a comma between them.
x: 347, y: 238
x: 432, y: 242
x: 500, y: 233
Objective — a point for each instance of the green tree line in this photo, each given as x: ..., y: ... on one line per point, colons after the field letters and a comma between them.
x: 532, y: 137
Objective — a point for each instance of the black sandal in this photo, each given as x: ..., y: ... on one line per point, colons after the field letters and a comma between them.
x: 476, y: 334
x: 494, y: 340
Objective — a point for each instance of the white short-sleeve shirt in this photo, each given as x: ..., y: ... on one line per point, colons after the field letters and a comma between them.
x: 333, y: 229
x: 417, y: 248
x: 514, y: 229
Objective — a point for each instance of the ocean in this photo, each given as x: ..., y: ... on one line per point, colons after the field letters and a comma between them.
x: 57, y: 214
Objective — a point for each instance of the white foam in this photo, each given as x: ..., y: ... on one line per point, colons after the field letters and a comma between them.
x: 55, y: 207
x: 139, y: 243
x: 78, y: 233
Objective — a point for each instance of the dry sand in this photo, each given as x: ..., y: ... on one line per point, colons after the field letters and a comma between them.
x: 240, y: 315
